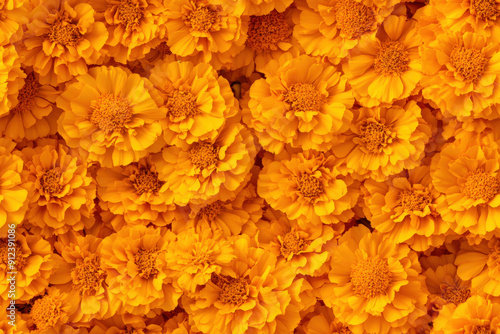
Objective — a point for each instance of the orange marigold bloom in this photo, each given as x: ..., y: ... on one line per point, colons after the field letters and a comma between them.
x: 11, y: 78
x: 403, y: 209
x: 463, y: 74
x: 246, y: 296
x: 208, y: 169
x: 34, y: 115
x: 377, y: 286
x: 253, y: 7
x: 309, y: 188
x: 110, y: 114
x: 302, y: 102
x: 469, y: 177
x: 136, y: 269
x: 12, y: 16
x: 388, y: 67
x: 63, y: 190
x: 384, y: 140
x: 62, y: 39
x: 205, y: 30
x: 197, y: 100
x: 32, y: 263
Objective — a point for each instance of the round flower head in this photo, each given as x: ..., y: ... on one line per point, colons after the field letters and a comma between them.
x: 302, y: 102
x: 197, y: 100
x: 136, y: 270
x: 63, y: 190
x: 309, y: 188
x: 388, y: 67
x: 12, y: 17
x: 61, y: 39
x: 376, y: 286
x: 383, y: 141
x: 11, y: 78
x: 110, y: 114
x: 208, y: 170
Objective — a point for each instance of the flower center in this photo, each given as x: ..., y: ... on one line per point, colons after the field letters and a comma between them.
x: 455, y: 294
x: 267, y: 31
x: 19, y: 260
x: 481, y: 185
x: 292, y: 243
x: 309, y: 186
x: 202, y: 18
x: 203, y: 154
x: 469, y: 63
x: 304, y: 97
x: 484, y: 9
x: 51, y: 181
x: 374, y: 136
x: 27, y: 94
x: 181, y: 103
x: 110, y: 113
x: 233, y: 290
x: 370, y: 277
x: 145, y: 259
x: 64, y: 33
x: 130, y: 13
x: 88, y: 275
x: 210, y: 212
x: 414, y: 200
x: 353, y: 18
x: 46, y: 312
x: 392, y: 59
x: 481, y: 330
x: 145, y: 181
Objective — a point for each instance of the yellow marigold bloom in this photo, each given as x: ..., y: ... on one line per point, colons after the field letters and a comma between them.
x: 208, y: 169
x: 136, y: 270
x: 403, y: 209
x: 34, y: 115
x: 302, y: 102
x: 61, y: 40
x: 384, y: 140
x: 333, y: 27
x: 12, y: 16
x: 469, y: 177
x: 197, y: 100
x: 477, y: 315
x: 195, y: 255
x: 13, y: 187
x: 308, y: 188
x: 110, y: 114
x: 32, y: 262
x: 388, y: 67
x: 246, y: 296
x: 63, y: 190
x: 377, y: 286
x: 463, y: 74
x: 205, y: 30
x: 11, y: 78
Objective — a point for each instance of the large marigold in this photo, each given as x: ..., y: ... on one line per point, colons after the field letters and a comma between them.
x: 463, y: 74
x: 208, y: 169
x: 11, y: 78
x: 136, y: 269
x: 384, y: 140
x: 388, y: 67
x: 110, y: 114
x: 246, y: 296
x: 309, y: 188
x: 302, y: 102
x: 62, y: 39
x: 63, y: 190
x: 376, y: 286
x: 197, y: 100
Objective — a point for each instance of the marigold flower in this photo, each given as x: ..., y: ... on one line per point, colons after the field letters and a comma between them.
x: 129, y: 324
x: 208, y: 169
x: 197, y: 101
x: 136, y: 269
x: 388, y: 67
x: 253, y: 7
x: 11, y: 78
x: 377, y: 286
x: 61, y: 40
x: 383, y: 141
x: 12, y: 17
x: 309, y: 188
x: 324, y: 322
x: 110, y: 114
x: 302, y: 102
x: 63, y: 190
